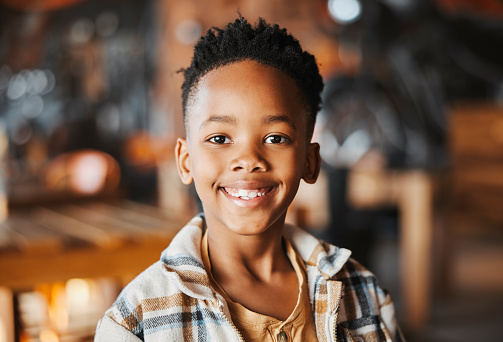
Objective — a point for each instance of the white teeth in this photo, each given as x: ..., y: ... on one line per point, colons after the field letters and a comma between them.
x: 244, y: 194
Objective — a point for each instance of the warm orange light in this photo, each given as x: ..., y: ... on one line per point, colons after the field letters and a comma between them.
x: 78, y: 294
x: 58, y: 311
x: 39, y: 5
x: 88, y: 174
x: 85, y: 172
x: 48, y: 335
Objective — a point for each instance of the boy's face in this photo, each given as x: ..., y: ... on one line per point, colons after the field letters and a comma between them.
x: 246, y: 146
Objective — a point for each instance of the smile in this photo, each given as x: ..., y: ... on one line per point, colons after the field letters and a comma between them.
x: 246, y: 194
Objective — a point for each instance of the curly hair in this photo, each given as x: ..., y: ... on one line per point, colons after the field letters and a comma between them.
x: 266, y: 44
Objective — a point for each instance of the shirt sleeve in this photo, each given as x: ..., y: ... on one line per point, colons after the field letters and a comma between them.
x: 109, y: 330
x: 387, y: 310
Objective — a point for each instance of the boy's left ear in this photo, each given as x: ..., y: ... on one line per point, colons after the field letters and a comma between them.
x: 313, y: 163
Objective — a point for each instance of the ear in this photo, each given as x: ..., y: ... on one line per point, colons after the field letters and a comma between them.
x: 313, y: 163
x: 183, y: 160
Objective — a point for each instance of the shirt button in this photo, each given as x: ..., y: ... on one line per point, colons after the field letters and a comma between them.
x: 282, y: 337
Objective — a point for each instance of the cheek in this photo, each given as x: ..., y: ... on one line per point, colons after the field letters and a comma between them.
x: 211, y: 159
x: 289, y: 162
x: 206, y: 167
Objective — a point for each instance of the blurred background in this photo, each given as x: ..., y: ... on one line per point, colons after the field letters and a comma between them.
x: 411, y: 134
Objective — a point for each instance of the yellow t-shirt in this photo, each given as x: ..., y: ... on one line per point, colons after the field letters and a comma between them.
x: 299, y: 326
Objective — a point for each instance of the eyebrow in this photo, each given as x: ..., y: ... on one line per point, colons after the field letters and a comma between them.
x: 232, y: 120
x: 280, y: 118
x: 219, y: 119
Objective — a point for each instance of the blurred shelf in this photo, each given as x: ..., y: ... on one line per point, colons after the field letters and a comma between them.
x: 85, y: 240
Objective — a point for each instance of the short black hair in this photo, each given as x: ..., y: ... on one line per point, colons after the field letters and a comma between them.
x: 264, y: 43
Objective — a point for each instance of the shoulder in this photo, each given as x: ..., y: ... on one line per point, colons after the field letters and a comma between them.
x: 165, y: 305
x: 166, y: 277
x: 366, y: 308
x: 126, y: 315
x: 361, y: 284
x: 155, y: 288
x: 318, y: 255
x: 175, y: 275
x: 366, y: 305
x: 172, y: 293
x: 147, y: 286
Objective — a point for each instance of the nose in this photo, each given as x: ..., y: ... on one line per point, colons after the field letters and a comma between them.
x: 249, y: 158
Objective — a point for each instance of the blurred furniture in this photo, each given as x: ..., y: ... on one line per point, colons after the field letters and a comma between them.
x: 47, y: 244
x: 475, y: 181
x: 435, y: 204
x: 413, y: 192
x: 476, y: 173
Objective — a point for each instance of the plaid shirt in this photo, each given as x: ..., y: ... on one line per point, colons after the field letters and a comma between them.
x: 172, y: 300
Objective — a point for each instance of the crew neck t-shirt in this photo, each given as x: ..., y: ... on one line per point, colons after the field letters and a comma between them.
x: 253, y: 326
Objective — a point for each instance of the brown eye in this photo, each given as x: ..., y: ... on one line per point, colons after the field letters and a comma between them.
x: 220, y: 139
x: 276, y: 139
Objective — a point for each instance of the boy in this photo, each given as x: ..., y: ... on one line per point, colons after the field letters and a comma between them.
x: 238, y: 272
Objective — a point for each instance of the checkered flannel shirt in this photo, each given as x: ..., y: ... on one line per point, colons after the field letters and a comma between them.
x: 172, y: 300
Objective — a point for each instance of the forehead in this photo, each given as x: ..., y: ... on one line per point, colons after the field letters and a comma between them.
x: 245, y: 88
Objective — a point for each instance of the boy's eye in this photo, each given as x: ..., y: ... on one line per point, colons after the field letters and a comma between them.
x: 220, y: 139
x: 276, y: 139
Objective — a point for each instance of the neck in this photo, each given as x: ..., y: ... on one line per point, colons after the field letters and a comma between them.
x: 258, y: 256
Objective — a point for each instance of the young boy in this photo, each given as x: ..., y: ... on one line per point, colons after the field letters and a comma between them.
x: 237, y: 272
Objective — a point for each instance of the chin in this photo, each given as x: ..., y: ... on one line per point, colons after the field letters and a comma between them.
x: 248, y: 226
x: 247, y: 229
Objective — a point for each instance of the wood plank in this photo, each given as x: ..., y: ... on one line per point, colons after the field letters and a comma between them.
x: 32, y: 237
x: 9, y: 239
x: 155, y: 212
x: 105, y: 221
x: 74, y: 228
x: 130, y: 217
x: 128, y: 225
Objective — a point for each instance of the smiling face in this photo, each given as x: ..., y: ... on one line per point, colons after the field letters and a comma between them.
x: 246, y: 147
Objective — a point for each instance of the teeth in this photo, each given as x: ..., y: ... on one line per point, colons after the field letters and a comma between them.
x: 245, y: 194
